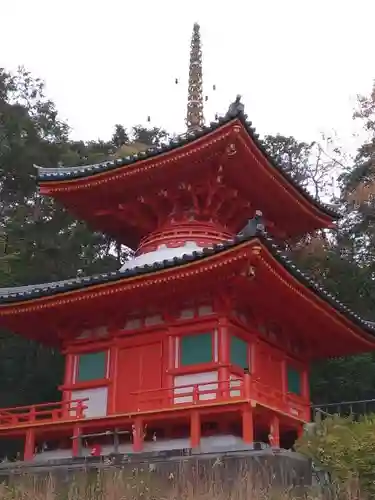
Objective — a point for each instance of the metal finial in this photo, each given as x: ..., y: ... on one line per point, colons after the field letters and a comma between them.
x: 194, y: 116
x: 236, y: 107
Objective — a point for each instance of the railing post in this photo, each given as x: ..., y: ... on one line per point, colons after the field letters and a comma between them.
x: 195, y: 393
x: 32, y: 414
x: 247, y: 384
x: 80, y: 409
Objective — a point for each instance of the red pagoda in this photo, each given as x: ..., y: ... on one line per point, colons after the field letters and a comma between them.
x: 208, y: 332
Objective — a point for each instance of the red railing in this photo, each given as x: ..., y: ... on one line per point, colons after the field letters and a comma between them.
x: 199, y: 394
x: 46, y: 412
x: 205, y: 393
x: 285, y: 402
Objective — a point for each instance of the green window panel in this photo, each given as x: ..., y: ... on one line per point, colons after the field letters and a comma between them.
x: 239, y: 352
x: 91, y: 366
x: 294, y: 381
x: 196, y: 349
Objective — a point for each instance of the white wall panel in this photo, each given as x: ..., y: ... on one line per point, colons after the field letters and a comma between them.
x: 202, y: 379
x: 97, y: 401
x: 235, y: 382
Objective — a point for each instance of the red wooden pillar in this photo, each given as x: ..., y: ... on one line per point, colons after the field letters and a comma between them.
x: 223, y: 354
x: 195, y: 429
x: 305, y: 384
x: 76, y: 444
x: 69, y: 369
x: 169, y: 363
x: 137, y: 431
x: 284, y: 382
x: 274, y: 436
x: 29, y: 444
x: 247, y: 385
x: 247, y: 424
x: 112, y: 372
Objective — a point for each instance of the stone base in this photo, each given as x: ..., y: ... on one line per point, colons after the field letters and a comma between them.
x: 265, y: 467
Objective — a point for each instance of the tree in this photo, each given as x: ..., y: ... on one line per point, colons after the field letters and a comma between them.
x: 346, y: 448
x: 120, y: 137
x: 150, y: 137
x: 358, y: 189
x: 312, y: 165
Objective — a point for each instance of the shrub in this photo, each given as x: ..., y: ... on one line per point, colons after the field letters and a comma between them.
x: 346, y: 448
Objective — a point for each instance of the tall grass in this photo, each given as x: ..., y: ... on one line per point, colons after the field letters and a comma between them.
x: 149, y: 484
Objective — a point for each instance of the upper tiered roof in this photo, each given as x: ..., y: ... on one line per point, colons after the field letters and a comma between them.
x: 109, y: 195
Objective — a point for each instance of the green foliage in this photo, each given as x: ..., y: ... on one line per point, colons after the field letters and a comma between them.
x: 343, y: 379
x: 345, y: 447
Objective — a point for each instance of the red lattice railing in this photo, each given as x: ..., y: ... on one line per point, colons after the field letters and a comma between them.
x: 46, y: 412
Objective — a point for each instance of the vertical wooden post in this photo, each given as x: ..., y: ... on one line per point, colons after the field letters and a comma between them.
x: 112, y: 374
x: 137, y: 431
x: 275, y: 432
x: 223, y: 351
x: 77, y: 441
x: 247, y: 424
x: 116, y: 440
x: 305, y: 384
x: 32, y: 413
x: 196, y: 393
x: 69, y: 366
x: 284, y: 381
x: 80, y: 408
x: 29, y: 444
x: 195, y: 429
x: 247, y: 385
x: 169, y: 362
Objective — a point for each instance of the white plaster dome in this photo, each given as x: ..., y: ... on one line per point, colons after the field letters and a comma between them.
x: 162, y: 253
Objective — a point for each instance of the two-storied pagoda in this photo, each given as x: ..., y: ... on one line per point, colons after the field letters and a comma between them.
x: 208, y: 331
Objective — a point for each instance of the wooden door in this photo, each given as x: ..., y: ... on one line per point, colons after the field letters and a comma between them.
x: 139, y: 369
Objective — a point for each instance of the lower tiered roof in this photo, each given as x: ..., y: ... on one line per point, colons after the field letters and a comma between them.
x: 43, y: 311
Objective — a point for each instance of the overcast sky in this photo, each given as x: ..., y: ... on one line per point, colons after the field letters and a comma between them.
x: 298, y: 64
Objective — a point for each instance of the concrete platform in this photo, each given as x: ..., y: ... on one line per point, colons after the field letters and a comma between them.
x: 278, y: 467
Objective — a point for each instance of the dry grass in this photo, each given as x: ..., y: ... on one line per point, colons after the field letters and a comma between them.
x: 183, y: 484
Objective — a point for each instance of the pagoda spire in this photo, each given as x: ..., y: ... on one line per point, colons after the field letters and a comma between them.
x: 194, y: 116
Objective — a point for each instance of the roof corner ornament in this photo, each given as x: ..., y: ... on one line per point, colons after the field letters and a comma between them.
x: 236, y: 108
x: 249, y: 272
x: 194, y: 115
x: 254, y: 226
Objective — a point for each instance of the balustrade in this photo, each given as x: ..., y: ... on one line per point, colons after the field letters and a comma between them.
x: 46, y: 412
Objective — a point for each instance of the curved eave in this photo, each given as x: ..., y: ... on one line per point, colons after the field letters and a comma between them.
x: 21, y: 300
x: 52, y: 180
